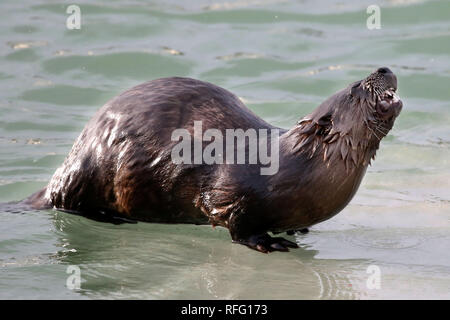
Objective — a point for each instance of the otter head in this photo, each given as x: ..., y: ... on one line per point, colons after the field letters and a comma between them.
x: 351, y: 123
x: 379, y: 101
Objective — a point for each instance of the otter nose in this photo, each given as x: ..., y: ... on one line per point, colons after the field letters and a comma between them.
x: 384, y: 70
x: 389, y: 77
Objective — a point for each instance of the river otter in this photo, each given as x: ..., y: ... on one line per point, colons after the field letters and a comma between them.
x: 121, y: 165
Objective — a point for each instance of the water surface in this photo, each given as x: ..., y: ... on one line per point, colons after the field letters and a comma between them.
x: 282, y: 58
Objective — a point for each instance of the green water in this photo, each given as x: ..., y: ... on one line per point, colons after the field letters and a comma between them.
x: 282, y: 58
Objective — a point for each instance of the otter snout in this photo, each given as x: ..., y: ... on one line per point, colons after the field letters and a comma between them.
x: 388, y: 77
x: 384, y: 83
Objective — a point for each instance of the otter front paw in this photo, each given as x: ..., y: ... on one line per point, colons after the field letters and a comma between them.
x: 265, y: 243
x: 292, y: 232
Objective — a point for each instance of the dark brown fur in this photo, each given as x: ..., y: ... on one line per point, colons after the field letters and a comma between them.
x: 121, y: 166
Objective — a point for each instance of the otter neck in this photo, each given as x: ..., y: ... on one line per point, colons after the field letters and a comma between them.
x: 321, y: 139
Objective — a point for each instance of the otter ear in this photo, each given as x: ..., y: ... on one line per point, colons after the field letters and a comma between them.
x: 325, y: 120
x: 324, y: 124
x: 357, y: 91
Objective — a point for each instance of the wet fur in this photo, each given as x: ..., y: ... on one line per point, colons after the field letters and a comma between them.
x: 120, y: 165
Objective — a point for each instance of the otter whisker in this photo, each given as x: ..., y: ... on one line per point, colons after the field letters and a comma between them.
x: 378, y: 129
x: 379, y: 139
x: 381, y: 127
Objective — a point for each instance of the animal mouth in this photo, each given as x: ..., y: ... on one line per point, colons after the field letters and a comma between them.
x: 389, y: 104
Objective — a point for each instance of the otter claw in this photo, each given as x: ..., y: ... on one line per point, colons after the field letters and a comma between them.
x: 265, y: 243
x: 302, y: 231
x: 260, y: 248
x: 279, y: 247
x: 288, y: 243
